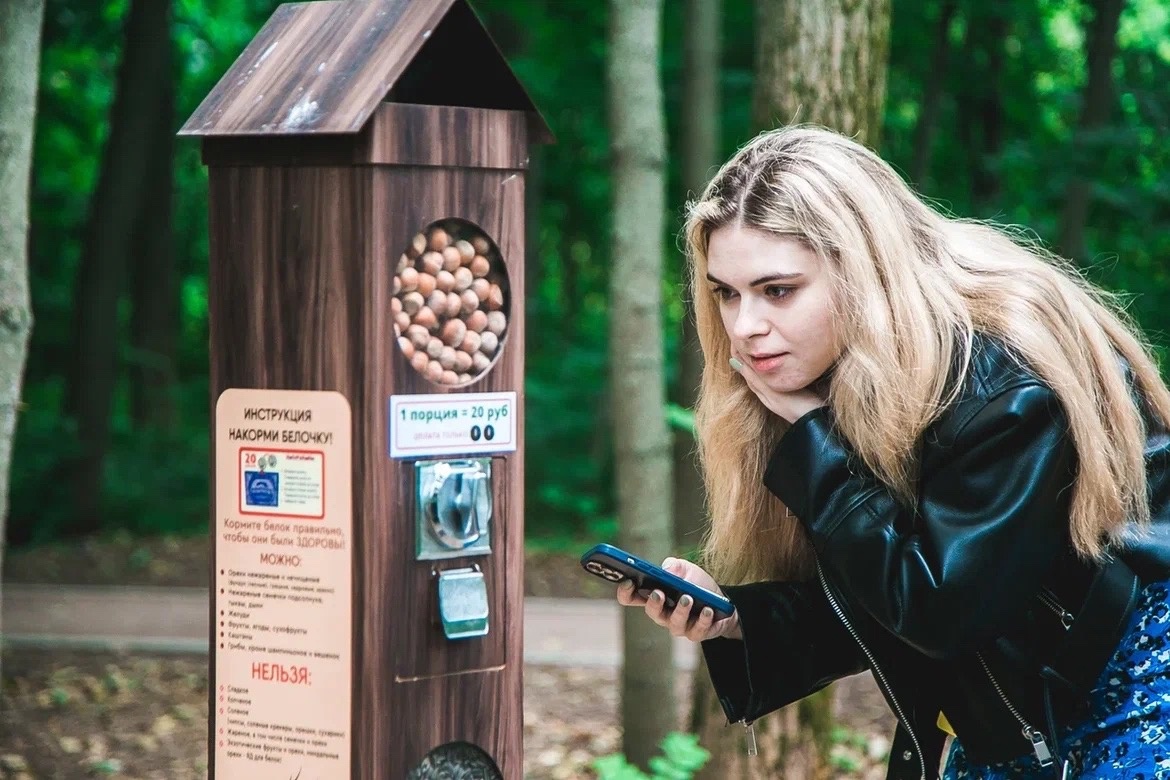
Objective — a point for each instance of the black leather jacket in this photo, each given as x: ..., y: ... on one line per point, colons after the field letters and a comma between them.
x: 971, y: 597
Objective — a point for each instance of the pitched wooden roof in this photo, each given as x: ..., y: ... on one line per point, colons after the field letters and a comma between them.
x: 323, y: 67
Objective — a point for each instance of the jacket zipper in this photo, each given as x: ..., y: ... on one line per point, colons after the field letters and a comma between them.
x: 1035, y: 736
x: 877, y: 672
x: 1048, y: 600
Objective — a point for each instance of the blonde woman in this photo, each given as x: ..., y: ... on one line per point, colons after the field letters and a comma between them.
x: 931, y: 451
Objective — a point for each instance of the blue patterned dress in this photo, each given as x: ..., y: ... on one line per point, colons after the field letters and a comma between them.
x: 1127, y: 734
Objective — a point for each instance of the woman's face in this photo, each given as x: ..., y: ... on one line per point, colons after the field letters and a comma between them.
x: 775, y: 300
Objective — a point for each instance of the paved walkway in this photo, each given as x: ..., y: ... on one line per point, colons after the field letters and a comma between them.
x: 562, y: 632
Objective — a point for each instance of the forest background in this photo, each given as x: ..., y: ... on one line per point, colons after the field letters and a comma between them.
x: 1024, y: 111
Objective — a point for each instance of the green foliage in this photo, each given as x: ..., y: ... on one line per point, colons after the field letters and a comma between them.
x: 1005, y: 147
x: 682, y: 756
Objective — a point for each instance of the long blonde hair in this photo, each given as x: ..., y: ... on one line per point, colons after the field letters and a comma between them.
x: 910, y: 289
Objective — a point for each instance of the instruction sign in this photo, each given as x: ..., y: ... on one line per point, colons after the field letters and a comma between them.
x: 455, y: 423
x: 282, y: 629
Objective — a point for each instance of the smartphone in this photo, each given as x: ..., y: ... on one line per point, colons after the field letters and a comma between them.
x: 615, y: 564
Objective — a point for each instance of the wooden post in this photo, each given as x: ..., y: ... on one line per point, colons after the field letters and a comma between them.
x: 325, y: 165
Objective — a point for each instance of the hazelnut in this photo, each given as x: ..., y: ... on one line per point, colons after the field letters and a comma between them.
x: 447, y: 358
x: 431, y: 262
x: 439, y: 239
x: 402, y: 321
x: 454, y: 304
x: 477, y: 320
x: 480, y: 362
x: 481, y: 245
x: 438, y: 303
x: 462, y: 361
x: 434, y: 371
x: 419, y: 336
x: 444, y: 281
x: 481, y: 287
x: 395, y: 305
x: 434, y: 348
x: 489, y: 342
x: 480, y: 266
x: 397, y: 287
x: 419, y: 360
x: 407, y: 347
x: 449, y: 378
x: 409, y: 278
x: 418, y: 245
x: 495, y: 298
x: 496, y: 322
x: 466, y: 251
x: 463, y: 279
x: 451, y: 259
x: 464, y: 378
x: 426, y: 317
x: 453, y: 332
x: 403, y: 264
x: 470, y: 302
x: 471, y: 342
x: 412, y: 302
x: 426, y: 284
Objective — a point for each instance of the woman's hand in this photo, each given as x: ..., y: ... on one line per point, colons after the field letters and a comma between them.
x: 790, y: 406
x: 679, y: 620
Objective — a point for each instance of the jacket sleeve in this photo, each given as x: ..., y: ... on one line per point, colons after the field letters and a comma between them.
x: 793, y: 645
x: 991, y: 517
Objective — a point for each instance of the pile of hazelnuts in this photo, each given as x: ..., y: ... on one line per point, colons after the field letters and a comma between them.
x: 449, y: 303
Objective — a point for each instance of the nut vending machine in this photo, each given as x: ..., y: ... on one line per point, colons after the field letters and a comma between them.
x: 366, y: 167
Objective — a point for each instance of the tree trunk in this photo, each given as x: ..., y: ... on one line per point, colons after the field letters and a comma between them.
x: 20, y: 52
x: 1096, y: 105
x: 932, y: 95
x: 154, y: 324
x: 699, y: 140
x: 822, y: 61
x: 637, y: 379
x: 114, y: 210
x: 987, y: 179
x: 700, y: 156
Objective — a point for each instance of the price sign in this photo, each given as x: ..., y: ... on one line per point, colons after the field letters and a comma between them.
x: 454, y: 424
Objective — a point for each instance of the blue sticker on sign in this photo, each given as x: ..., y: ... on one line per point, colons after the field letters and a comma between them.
x: 260, y: 488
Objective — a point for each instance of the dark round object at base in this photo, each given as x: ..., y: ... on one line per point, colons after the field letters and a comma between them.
x: 456, y: 761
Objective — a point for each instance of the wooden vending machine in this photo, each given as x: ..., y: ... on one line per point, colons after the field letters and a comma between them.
x: 366, y: 166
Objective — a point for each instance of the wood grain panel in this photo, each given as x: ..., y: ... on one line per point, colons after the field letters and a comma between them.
x: 318, y: 67
x: 324, y: 67
x: 448, y: 136
x: 286, y: 305
x: 302, y: 259
x: 483, y: 708
x: 403, y: 134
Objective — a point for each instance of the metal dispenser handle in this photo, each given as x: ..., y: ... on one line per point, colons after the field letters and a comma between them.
x: 456, y: 512
x: 454, y: 508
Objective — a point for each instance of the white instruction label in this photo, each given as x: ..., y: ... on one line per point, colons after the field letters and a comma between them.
x: 458, y: 423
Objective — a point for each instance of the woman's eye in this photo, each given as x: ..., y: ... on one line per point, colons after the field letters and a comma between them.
x: 777, y: 291
x: 723, y: 293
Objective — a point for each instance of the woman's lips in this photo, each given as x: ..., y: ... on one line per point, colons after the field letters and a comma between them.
x: 765, y: 363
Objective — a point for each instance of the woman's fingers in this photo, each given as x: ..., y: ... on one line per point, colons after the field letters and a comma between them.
x: 681, y: 620
x: 680, y: 616
x: 701, y: 630
x: 627, y: 596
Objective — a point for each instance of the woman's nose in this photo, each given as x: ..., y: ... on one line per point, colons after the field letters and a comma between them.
x: 748, y: 322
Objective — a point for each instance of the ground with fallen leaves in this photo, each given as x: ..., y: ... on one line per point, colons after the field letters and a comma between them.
x: 69, y: 715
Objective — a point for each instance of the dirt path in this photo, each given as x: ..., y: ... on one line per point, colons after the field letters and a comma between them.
x: 67, y: 716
